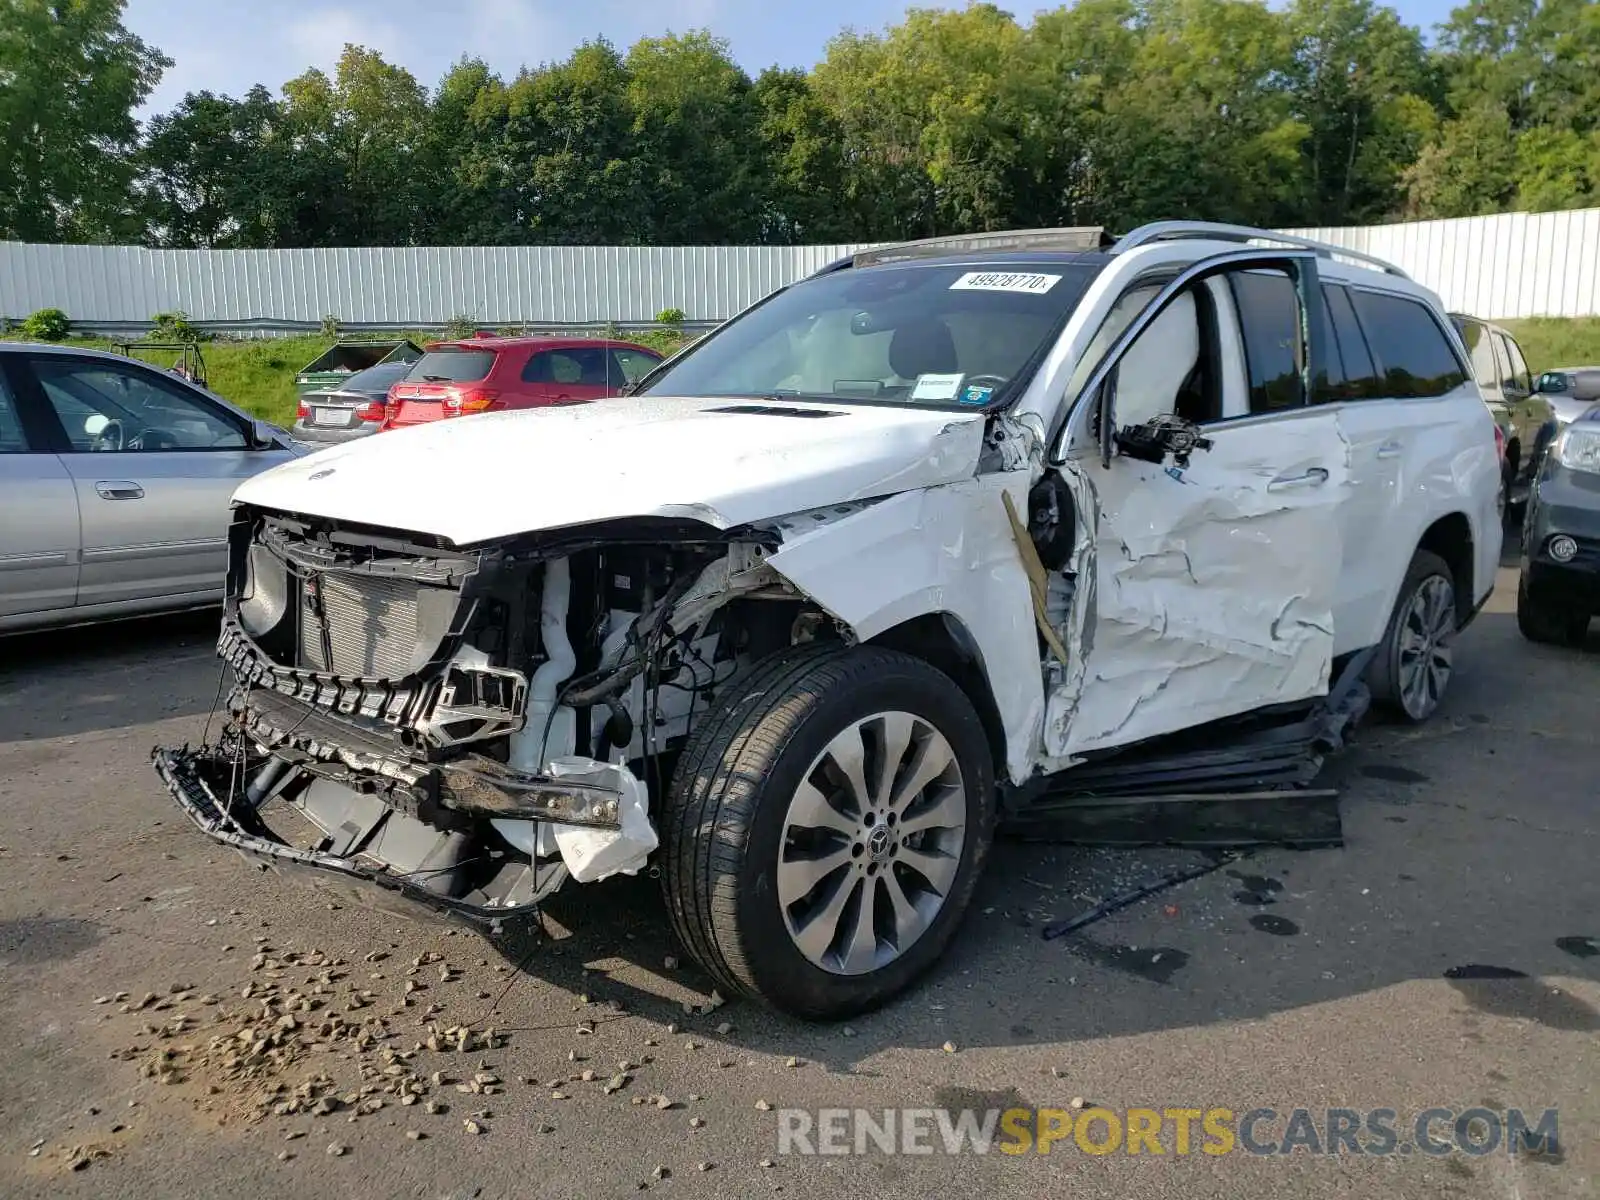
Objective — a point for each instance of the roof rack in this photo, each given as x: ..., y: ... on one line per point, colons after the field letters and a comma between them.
x: 1088, y: 237
x: 1165, y: 231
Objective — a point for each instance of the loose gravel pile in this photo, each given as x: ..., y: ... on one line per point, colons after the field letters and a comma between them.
x: 308, y: 1033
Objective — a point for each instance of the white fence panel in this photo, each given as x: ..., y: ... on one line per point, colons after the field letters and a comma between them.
x: 494, y: 285
x: 1510, y: 265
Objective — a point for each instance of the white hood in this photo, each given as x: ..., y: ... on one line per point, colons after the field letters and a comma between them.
x: 476, y: 478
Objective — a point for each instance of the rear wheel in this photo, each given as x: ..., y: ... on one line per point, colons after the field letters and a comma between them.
x: 826, y: 828
x: 1541, y: 619
x: 1413, y: 664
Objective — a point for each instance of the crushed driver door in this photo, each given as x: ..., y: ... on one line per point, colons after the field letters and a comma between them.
x: 1206, y: 578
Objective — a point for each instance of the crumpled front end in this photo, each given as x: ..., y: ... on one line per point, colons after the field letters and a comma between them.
x: 444, y: 727
x: 292, y: 788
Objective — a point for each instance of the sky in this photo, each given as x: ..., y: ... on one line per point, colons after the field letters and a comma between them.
x: 229, y: 45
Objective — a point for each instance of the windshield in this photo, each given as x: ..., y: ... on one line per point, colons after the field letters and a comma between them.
x: 927, y: 334
x: 1551, y: 381
x: 452, y: 364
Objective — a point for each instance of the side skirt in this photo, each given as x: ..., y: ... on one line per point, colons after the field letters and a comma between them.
x: 1235, y: 783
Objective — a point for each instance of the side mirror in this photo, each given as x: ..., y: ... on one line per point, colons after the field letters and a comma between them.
x: 1160, y: 436
x: 263, y: 435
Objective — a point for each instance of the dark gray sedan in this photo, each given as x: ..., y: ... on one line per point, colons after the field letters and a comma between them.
x: 354, y: 409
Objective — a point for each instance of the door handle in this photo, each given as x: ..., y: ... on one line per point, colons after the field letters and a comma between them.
x: 119, y: 489
x: 1390, y: 450
x: 1315, y: 477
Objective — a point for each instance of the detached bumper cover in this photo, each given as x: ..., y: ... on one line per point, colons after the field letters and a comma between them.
x: 183, y: 772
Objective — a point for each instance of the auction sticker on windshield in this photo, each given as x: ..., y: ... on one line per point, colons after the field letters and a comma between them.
x: 1005, y: 281
x: 936, y: 387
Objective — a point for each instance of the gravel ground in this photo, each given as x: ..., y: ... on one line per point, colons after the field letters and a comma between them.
x: 183, y: 1025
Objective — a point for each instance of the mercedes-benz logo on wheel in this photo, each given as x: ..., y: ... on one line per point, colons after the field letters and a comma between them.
x: 879, y: 841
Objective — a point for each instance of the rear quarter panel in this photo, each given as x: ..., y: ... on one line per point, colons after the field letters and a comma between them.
x: 1451, y: 466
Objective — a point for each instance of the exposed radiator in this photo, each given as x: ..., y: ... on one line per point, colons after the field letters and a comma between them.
x: 371, y: 625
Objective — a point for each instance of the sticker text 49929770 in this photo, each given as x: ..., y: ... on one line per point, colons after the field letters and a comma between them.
x: 1005, y: 281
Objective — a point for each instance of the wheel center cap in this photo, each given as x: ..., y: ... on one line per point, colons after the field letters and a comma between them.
x: 879, y: 841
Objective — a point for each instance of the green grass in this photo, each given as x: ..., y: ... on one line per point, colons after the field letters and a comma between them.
x: 1550, y: 342
x: 258, y: 374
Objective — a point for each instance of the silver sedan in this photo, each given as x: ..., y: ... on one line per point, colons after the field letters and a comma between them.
x: 1570, y: 391
x: 115, y: 480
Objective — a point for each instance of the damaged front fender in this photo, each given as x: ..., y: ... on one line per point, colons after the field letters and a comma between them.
x: 943, y: 550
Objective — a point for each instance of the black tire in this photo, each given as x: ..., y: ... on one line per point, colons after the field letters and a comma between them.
x: 724, y: 819
x: 1384, y: 676
x: 1551, y: 624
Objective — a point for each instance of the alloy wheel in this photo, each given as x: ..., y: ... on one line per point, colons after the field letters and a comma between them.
x: 872, y: 843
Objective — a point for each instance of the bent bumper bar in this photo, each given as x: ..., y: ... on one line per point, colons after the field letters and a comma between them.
x: 181, y: 771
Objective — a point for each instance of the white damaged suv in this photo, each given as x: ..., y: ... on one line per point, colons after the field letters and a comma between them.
x: 897, y: 554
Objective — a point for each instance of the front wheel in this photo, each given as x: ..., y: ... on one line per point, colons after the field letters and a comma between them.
x: 1413, y: 664
x: 1539, y: 619
x: 826, y: 828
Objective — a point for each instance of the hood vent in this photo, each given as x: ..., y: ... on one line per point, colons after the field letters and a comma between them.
x: 773, y: 410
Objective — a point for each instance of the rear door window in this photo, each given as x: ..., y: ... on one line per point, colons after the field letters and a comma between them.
x: 572, y: 366
x: 1516, y: 371
x: 1410, y: 350
x: 1360, y: 378
x: 452, y: 364
x: 1480, y: 351
x: 1269, y: 317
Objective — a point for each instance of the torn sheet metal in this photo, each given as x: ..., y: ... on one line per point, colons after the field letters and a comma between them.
x: 595, y: 854
x: 944, y: 550
x: 1212, y: 586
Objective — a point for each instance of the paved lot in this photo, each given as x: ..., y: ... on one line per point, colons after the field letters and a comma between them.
x: 1472, y: 843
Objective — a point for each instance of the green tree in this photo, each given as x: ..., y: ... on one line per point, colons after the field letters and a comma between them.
x: 694, y: 141
x: 1467, y: 166
x: 200, y: 170
x: 1524, y: 87
x: 358, y: 134
x: 801, y: 159
x: 565, y: 151
x: 1363, y: 85
x: 70, y: 77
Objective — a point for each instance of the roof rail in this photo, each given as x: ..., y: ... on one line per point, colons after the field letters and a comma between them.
x: 1088, y: 237
x: 1164, y: 231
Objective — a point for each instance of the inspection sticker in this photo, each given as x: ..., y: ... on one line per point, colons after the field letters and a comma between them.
x: 1005, y: 281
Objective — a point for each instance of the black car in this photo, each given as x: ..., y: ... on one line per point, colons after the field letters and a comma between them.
x: 352, y: 409
x: 1560, y: 586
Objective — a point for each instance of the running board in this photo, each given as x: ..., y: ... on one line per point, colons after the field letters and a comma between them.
x: 1233, y: 783
x: 1301, y: 819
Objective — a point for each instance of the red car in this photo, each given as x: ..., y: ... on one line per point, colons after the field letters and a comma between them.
x: 488, y: 374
